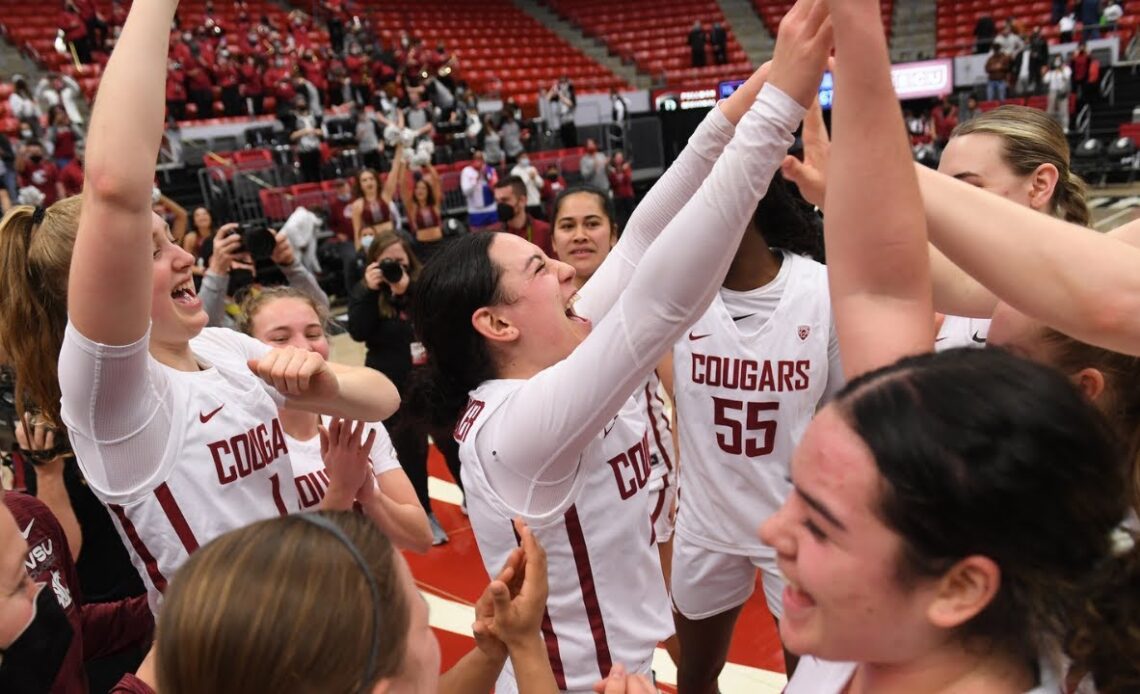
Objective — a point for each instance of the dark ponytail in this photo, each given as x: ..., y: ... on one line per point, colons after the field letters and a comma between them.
x: 788, y: 222
x: 460, y: 279
x: 1105, y: 640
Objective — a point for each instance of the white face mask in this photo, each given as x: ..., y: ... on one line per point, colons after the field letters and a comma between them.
x: 366, y: 241
x: 524, y: 162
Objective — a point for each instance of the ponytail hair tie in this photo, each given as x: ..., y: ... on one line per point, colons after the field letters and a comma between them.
x: 38, y: 216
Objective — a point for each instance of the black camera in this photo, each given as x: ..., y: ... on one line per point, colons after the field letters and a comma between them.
x: 259, y: 242
x: 392, y: 270
x: 9, y: 418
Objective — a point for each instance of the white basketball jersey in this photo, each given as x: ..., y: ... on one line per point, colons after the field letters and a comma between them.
x: 958, y: 331
x: 309, y: 474
x: 607, y: 599
x: 661, y: 452
x: 226, y: 464
x: 743, y: 403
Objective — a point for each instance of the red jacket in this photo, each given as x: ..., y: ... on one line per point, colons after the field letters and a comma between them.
x: 100, y: 629
x: 72, y: 177
x: 537, y: 232
x: 74, y: 29
x: 42, y: 176
x: 621, y: 181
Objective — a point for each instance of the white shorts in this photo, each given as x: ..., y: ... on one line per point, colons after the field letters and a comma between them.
x: 707, y: 582
x: 661, y: 507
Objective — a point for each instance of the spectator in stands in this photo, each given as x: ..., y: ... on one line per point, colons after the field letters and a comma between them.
x: 718, y: 38
x: 96, y: 25
x: 593, y: 167
x: 62, y: 135
x: 476, y: 180
x: 306, y: 132
x: 1008, y: 40
x: 194, y: 241
x: 418, y: 117
x: 552, y: 184
x: 1066, y: 25
x: 696, y: 42
x: 37, y: 170
x: 620, y: 173
x: 8, y: 170
x: 1058, y: 81
x: 1080, y: 64
x: 357, y: 65
x: 1038, y: 60
x: 492, y: 143
x: 984, y: 32
x: 563, y: 103
x: 334, y: 18
x: 199, y: 83
x: 228, y: 77
x: 945, y: 118
x: 1090, y: 19
x: 252, y: 86
x: 511, y: 134
x: 530, y: 176
x: 510, y: 199
x: 1060, y: 9
x: 60, y: 90
x: 1111, y: 15
x: 368, y: 140
x: 75, y: 33
x: 997, y: 71
x: 22, y: 105
x: 71, y: 176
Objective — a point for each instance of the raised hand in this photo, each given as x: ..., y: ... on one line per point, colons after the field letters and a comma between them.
x: 803, y: 45
x: 810, y: 175
x: 345, y: 452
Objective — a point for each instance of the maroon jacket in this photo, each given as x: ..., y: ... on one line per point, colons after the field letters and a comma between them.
x: 99, y: 628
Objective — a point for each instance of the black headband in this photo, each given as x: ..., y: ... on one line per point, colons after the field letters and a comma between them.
x: 336, y: 531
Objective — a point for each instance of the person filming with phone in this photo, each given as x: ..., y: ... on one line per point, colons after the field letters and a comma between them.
x: 241, y: 257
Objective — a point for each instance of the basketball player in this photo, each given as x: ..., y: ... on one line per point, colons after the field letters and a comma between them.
x: 584, y: 233
x: 285, y: 316
x: 174, y: 427
x: 751, y: 372
x: 504, y: 338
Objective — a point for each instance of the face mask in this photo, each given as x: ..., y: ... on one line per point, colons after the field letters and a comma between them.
x: 506, y: 212
x: 33, y: 660
x: 36, y: 158
x: 552, y: 176
x: 365, y: 242
x: 524, y: 162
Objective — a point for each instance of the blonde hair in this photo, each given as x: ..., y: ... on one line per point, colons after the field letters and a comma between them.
x: 1032, y: 138
x: 34, y: 264
x: 258, y: 298
x: 284, y: 606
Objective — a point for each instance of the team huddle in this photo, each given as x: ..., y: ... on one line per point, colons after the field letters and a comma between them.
x: 959, y: 520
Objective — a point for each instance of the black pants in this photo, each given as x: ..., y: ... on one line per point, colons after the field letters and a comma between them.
x: 336, y: 34
x: 699, y: 56
x: 177, y: 109
x: 624, y: 210
x: 361, y: 94
x: 231, y: 100
x: 569, y: 134
x: 82, y: 49
x: 255, y: 104
x: 204, y: 100
x: 409, y: 438
x: 720, y: 55
x: 310, y: 160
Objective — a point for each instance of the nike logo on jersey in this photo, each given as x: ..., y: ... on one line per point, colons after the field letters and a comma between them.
x: 606, y: 431
x: 694, y: 337
x: 27, y: 531
x: 207, y: 417
x: 979, y: 340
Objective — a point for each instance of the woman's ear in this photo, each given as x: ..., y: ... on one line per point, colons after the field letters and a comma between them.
x: 493, y: 326
x: 964, y: 591
x: 1042, y: 184
x: 1091, y: 382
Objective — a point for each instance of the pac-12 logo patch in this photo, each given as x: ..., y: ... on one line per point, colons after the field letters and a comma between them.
x: 803, y: 331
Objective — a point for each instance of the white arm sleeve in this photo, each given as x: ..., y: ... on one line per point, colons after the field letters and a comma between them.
x: 661, y: 204
x: 835, y: 378
x: 672, y: 285
x: 118, y: 409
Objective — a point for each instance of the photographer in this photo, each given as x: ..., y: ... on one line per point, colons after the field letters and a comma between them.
x: 379, y: 315
x: 236, y: 259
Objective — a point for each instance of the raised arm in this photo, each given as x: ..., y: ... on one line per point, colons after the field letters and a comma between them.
x: 116, y: 223
x: 667, y: 197
x: 1084, y: 284
x: 878, y: 263
x: 395, y: 175
x: 181, y: 218
x: 573, y: 399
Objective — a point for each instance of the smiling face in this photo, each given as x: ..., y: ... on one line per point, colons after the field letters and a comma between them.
x: 290, y: 321
x: 844, y: 601
x: 203, y: 222
x: 536, y: 317
x: 421, y: 192
x: 368, y: 183
x: 583, y: 234
x: 176, y: 312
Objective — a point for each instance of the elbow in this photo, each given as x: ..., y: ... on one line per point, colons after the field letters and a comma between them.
x: 1110, y: 319
x: 420, y: 541
x: 102, y: 182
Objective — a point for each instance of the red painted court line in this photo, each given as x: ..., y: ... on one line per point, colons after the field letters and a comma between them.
x: 455, y: 571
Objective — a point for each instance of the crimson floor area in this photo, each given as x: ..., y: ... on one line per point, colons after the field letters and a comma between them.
x: 454, y: 573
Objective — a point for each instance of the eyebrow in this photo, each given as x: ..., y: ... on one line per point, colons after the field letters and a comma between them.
x: 966, y: 174
x: 530, y: 260
x: 820, y: 508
